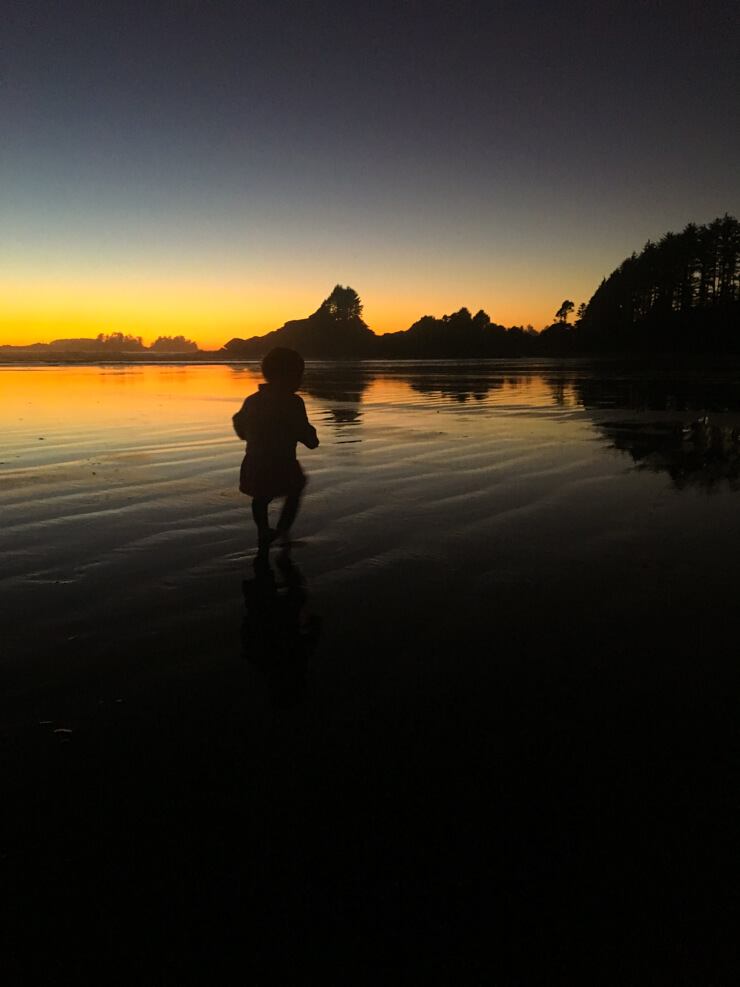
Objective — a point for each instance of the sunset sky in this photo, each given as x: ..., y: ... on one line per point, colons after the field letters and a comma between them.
x: 213, y: 169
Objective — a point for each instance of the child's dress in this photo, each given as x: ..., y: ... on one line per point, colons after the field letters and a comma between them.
x: 272, y: 421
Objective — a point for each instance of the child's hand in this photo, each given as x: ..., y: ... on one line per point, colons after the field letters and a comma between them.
x: 309, y: 440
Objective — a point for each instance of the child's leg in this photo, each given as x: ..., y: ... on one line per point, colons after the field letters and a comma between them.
x: 288, y: 513
x: 259, y: 513
x: 265, y: 534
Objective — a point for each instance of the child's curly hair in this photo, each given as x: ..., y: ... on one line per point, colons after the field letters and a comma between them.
x: 283, y: 366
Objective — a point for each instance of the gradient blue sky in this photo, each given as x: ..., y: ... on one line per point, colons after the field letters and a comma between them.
x: 215, y: 168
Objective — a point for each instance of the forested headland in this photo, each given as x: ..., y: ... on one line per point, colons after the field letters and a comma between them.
x: 680, y: 295
x: 337, y: 330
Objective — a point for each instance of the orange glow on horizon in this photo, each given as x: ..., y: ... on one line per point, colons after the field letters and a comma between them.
x: 212, y: 314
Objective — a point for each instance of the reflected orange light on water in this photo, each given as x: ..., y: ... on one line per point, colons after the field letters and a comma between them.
x: 116, y: 395
x: 534, y: 391
x: 41, y: 399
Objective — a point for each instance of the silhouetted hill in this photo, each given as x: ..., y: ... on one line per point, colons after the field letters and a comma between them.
x: 81, y: 343
x: 314, y: 337
x: 336, y: 330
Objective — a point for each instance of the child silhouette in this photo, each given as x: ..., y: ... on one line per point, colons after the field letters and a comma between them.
x: 272, y: 421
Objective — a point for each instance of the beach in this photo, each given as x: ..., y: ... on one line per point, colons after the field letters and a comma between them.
x: 478, y: 725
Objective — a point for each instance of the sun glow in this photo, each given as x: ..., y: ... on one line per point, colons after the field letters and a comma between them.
x: 211, y: 312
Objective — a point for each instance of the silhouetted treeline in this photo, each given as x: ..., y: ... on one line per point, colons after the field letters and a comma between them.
x: 457, y: 336
x: 680, y: 294
x: 116, y: 346
x: 103, y: 341
x: 174, y: 344
x: 337, y: 330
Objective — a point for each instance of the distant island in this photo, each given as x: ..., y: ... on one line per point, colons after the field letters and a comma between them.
x: 680, y: 295
x: 115, y: 347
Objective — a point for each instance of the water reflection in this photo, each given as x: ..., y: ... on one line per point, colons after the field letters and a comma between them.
x: 458, y: 381
x: 342, y: 388
x: 334, y: 382
x: 460, y: 386
x: 681, y: 421
x: 690, y: 391
x: 279, y: 633
x: 698, y: 454
x: 686, y: 424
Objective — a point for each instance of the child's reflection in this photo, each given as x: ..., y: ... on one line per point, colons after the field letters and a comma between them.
x: 279, y: 634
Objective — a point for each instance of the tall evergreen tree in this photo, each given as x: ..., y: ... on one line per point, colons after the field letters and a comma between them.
x: 682, y: 291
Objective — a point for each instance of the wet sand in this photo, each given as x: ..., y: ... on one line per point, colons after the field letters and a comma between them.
x: 493, y: 737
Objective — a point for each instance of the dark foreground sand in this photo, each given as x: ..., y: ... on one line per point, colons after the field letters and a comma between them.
x: 498, y: 744
x: 523, y: 786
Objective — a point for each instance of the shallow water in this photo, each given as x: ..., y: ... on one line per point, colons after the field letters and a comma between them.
x: 124, y: 478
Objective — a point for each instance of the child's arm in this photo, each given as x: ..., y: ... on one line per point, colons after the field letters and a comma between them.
x: 306, y: 433
x: 310, y: 439
x: 240, y: 421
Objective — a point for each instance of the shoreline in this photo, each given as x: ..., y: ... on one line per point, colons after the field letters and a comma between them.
x: 634, y: 360
x: 255, y: 362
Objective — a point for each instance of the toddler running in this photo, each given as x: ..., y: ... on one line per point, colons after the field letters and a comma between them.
x: 272, y: 421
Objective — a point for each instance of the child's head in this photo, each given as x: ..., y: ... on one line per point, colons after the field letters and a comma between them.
x: 283, y: 367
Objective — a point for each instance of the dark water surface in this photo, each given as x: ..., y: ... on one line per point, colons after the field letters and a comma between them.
x: 480, y: 726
